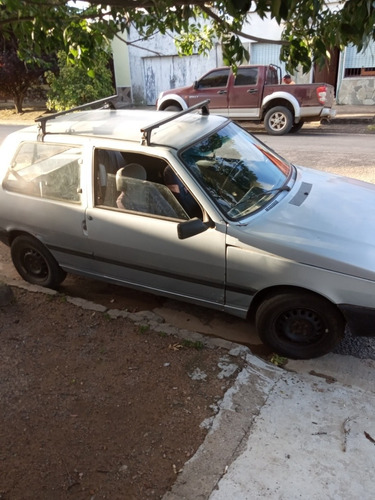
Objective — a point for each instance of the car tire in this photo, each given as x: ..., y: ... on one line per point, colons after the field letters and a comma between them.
x: 173, y: 107
x: 296, y: 127
x: 278, y: 120
x: 35, y: 263
x: 299, y: 325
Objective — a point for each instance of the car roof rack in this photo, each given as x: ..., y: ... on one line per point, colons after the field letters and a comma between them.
x: 42, y: 120
x: 146, y: 131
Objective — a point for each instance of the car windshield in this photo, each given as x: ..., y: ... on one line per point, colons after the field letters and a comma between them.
x: 239, y: 172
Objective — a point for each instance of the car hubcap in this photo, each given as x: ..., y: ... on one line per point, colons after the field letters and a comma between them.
x: 278, y: 121
x: 300, y: 325
x: 34, y: 264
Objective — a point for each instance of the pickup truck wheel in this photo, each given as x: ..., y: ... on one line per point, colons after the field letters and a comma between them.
x: 278, y: 120
x: 172, y: 107
x: 35, y: 263
x: 296, y: 127
x: 299, y: 325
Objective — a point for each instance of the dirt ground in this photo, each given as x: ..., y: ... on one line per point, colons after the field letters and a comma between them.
x: 94, y: 407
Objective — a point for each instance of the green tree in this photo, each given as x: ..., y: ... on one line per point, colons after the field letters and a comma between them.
x: 310, y: 28
x: 73, y: 86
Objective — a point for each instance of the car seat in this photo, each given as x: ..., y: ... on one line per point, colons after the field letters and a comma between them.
x: 132, y: 171
x: 108, y: 163
x: 140, y: 195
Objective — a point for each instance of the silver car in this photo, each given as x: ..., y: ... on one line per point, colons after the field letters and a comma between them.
x: 193, y: 207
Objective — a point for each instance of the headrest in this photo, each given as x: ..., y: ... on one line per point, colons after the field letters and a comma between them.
x: 133, y: 170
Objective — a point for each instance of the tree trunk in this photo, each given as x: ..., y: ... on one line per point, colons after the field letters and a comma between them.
x: 18, y: 101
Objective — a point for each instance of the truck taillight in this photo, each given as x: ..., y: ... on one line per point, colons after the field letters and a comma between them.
x: 321, y: 93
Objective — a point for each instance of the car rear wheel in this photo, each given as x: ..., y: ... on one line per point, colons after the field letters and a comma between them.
x: 278, y: 120
x: 299, y: 325
x: 296, y: 127
x: 35, y: 263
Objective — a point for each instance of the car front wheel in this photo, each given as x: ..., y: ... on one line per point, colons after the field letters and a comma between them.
x: 299, y: 325
x: 173, y: 107
x: 35, y: 263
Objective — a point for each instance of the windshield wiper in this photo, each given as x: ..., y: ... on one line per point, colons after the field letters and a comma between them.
x: 253, y: 197
x: 276, y: 190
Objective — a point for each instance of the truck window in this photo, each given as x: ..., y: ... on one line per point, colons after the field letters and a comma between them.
x: 217, y: 78
x: 246, y: 76
x: 271, y: 76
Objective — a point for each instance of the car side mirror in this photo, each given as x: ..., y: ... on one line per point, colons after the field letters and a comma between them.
x: 192, y: 227
x: 196, y: 85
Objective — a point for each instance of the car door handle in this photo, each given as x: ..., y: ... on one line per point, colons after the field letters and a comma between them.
x: 252, y: 91
x: 222, y: 92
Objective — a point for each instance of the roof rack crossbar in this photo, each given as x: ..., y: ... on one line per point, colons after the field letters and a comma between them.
x: 146, y: 131
x: 44, y: 119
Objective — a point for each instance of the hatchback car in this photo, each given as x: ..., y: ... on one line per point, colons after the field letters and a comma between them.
x: 193, y: 207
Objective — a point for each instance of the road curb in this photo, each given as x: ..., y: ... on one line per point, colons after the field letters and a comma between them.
x: 140, y: 318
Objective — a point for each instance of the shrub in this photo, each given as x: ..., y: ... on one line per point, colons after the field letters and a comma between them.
x: 75, y: 85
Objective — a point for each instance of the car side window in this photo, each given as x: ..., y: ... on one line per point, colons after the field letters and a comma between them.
x: 135, y: 183
x: 46, y: 170
x: 214, y: 79
x: 246, y: 76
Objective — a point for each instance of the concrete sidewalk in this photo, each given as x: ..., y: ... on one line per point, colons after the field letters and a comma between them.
x: 354, y: 114
x: 303, y: 433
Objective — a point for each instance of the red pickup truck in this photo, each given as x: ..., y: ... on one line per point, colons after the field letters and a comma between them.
x: 255, y: 94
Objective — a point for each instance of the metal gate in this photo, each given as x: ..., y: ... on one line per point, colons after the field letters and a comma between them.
x: 168, y: 72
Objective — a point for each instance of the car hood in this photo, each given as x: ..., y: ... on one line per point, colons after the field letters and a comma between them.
x: 325, y: 221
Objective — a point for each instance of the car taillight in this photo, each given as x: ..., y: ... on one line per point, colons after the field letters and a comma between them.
x: 321, y: 93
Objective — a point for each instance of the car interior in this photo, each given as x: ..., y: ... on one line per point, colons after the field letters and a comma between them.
x: 140, y: 183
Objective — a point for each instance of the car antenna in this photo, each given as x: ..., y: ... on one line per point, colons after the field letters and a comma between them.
x: 146, y: 131
x: 42, y: 120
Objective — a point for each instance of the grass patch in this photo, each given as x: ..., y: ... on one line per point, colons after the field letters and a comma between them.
x: 197, y: 344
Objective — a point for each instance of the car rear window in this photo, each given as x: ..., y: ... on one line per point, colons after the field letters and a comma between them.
x: 46, y: 171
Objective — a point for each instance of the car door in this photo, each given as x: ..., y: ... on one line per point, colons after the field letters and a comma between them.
x: 134, y: 241
x: 213, y: 86
x: 44, y: 196
x: 145, y: 251
x: 245, y: 95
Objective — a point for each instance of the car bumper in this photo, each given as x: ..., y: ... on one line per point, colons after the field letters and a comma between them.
x: 328, y: 113
x: 360, y: 320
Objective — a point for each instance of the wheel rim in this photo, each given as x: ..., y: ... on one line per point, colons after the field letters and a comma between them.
x: 302, y: 326
x: 278, y: 121
x: 34, y: 264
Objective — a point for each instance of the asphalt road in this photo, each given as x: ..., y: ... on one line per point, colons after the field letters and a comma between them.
x: 347, y: 153
x: 343, y: 154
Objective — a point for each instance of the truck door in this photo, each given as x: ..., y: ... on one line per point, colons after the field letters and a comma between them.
x: 245, y: 94
x: 213, y: 86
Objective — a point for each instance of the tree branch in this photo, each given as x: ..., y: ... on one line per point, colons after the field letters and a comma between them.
x: 133, y: 44
x: 145, y: 4
x: 218, y: 19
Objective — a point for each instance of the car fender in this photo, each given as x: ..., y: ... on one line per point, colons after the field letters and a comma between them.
x: 283, y: 96
x: 171, y: 99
